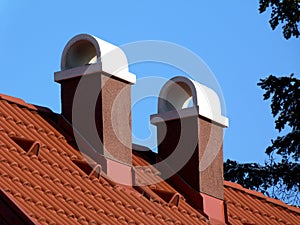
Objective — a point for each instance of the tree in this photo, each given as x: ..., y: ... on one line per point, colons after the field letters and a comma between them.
x: 283, y: 11
x: 285, y: 105
x: 279, y: 176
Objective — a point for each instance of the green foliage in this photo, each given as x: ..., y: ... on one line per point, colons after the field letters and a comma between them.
x: 279, y: 176
x: 283, y: 11
x: 285, y: 104
x: 286, y: 172
x: 279, y: 180
x: 249, y: 175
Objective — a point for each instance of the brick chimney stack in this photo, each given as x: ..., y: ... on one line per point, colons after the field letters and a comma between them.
x: 190, y: 140
x: 96, y: 101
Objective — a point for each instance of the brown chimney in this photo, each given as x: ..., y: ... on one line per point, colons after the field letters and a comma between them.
x: 96, y: 101
x: 190, y: 140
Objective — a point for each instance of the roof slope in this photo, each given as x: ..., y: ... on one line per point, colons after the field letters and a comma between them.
x: 251, y: 207
x: 51, y: 189
x: 244, y: 206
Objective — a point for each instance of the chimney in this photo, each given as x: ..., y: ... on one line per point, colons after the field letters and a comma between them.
x: 190, y: 141
x: 96, y: 102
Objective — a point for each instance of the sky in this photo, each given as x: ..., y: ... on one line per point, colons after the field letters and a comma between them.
x: 231, y: 37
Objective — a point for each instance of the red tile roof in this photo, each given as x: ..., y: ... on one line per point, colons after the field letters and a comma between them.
x: 43, y: 182
x: 251, y: 207
x: 52, y: 189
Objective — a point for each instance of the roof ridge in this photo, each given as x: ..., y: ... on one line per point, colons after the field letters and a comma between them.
x: 261, y: 195
x: 23, y: 103
x: 17, y: 101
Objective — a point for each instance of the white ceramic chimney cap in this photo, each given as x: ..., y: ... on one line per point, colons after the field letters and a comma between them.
x: 182, y: 92
x: 86, y: 49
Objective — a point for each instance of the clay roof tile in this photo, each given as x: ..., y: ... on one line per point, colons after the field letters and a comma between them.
x: 50, y: 188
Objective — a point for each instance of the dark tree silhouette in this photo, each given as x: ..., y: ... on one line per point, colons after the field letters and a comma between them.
x: 285, y: 105
x: 279, y: 177
x: 283, y: 11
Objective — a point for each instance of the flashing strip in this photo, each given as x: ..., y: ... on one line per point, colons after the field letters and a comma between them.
x: 185, y: 113
x: 92, y: 69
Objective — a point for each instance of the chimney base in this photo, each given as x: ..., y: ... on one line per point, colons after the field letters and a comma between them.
x: 115, y: 171
x: 214, y: 208
x: 118, y: 172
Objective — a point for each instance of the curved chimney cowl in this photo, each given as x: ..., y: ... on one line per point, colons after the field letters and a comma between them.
x: 86, y: 49
x: 182, y: 92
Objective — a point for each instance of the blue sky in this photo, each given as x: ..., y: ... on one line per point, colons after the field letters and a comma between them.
x: 231, y: 37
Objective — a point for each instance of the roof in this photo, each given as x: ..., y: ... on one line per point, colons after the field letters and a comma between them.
x: 43, y: 180
x: 251, y: 207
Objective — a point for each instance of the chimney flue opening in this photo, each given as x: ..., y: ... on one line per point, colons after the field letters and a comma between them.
x: 81, y: 53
